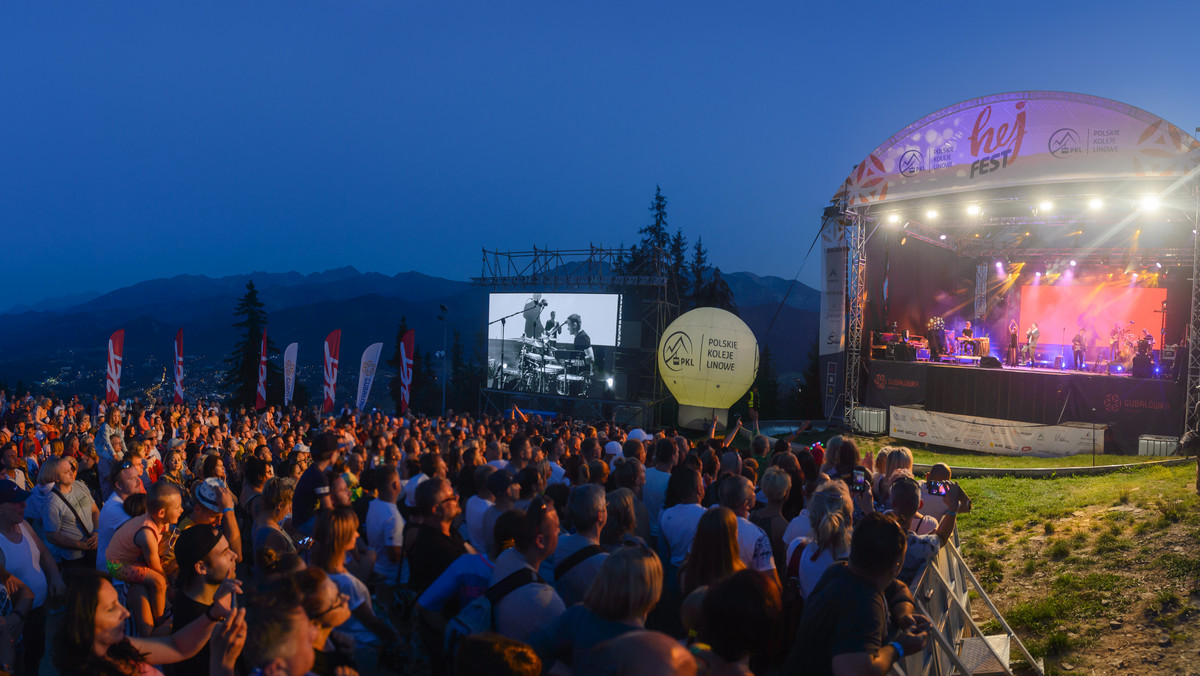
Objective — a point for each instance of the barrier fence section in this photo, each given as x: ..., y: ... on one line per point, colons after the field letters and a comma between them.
x: 956, y: 644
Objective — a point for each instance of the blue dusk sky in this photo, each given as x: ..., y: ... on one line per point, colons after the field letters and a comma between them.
x: 148, y: 139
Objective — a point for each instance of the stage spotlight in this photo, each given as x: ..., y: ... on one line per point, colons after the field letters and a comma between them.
x: 931, y: 214
x: 609, y: 381
x: 893, y: 218
x: 1072, y: 263
x: 1158, y: 265
x: 1038, y: 273
x: 1096, y: 204
x: 1133, y: 274
x: 1150, y: 203
x: 941, y: 237
x: 999, y: 264
x: 903, y: 241
x: 973, y: 210
x: 1046, y: 206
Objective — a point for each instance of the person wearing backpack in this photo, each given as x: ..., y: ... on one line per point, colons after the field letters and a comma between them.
x: 535, y: 604
x: 578, y: 557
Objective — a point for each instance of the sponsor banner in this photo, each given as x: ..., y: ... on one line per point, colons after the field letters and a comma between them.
x: 179, y: 367
x: 407, y: 345
x: 708, y: 358
x: 999, y: 437
x: 1021, y: 138
x: 289, y: 372
x: 832, y: 338
x: 366, y: 374
x: 260, y: 392
x: 333, y: 343
x: 112, y: 380
x: 895, y: 383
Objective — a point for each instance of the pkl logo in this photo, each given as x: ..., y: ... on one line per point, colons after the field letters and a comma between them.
x: 1112, y: 403
x: 677, y: 351
x: 880, y: 380
x: 921, y: 434
x: 911, y: 163
x: 1064, y: 143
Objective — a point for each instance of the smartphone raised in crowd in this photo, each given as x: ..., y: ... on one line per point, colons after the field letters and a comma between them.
x: 938, y: 487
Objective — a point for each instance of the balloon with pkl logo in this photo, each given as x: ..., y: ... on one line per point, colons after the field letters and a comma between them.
x: 708, y: 358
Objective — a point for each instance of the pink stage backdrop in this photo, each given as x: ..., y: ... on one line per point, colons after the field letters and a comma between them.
x: 1096, y: 308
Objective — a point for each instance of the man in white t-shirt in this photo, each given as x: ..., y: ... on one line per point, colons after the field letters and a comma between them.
x: 754, y: 545
x: 678, y: 522
x: 477, y: 505
x: 432, y: 465
x: 385, y: 534
x: 126, y: 480
x: 385, y: 526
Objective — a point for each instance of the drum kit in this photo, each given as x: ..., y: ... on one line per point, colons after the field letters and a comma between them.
x: 543, y: 368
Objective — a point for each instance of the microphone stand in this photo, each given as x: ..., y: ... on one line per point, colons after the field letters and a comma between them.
x: 503, y: 321
x: 1063, y: 349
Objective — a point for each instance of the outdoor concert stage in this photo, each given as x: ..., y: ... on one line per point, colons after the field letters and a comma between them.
x: 1127, y: 406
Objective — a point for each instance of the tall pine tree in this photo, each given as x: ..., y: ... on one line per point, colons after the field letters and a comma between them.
x: 677, y: 278
x: 696, y: 269
x: 241, y: 374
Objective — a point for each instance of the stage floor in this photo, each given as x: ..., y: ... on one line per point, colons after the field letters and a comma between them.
x: 1129, y: 406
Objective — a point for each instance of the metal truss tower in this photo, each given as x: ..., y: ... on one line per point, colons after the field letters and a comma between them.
x: 855, y: 223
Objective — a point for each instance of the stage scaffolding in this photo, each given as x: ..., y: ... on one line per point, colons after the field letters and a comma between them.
x: 860, y: 222
x: 596, y: 269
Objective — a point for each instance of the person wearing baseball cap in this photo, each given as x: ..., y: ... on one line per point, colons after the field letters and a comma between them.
x: 214, y: 507
x: 205, y: 562
x: 27, y: 558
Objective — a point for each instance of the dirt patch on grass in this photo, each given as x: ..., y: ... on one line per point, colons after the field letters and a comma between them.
x: 1106, y: 589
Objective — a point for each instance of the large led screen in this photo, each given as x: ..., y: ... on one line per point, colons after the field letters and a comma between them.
x: 1060, y: 311
x: 552, y: 343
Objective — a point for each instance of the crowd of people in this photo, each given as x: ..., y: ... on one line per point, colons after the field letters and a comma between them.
x: 141, y: 535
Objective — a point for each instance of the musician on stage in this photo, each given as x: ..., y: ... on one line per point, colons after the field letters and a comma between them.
x: 1031, y: 339
x: 533, y: 316
x: 553, y: 328
x: 969, y: 335
x: 583, y: 342
x: 1115, y: 334
x: 1013, y: 340
x: 1079, y: 347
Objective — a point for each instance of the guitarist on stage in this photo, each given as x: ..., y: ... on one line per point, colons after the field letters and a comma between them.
x: 1031, y: 339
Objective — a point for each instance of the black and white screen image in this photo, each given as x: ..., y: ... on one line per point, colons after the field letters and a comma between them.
x: 552, y: 343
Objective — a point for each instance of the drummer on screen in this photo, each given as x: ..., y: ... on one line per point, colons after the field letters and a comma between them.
x: 583, y: 342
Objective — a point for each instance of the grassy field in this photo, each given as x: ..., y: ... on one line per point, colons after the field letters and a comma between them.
x: 959, y: 458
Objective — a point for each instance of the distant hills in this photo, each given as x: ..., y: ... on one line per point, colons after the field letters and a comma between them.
x: 61, y: 342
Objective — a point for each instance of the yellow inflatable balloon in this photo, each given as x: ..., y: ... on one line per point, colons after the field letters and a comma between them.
x: 708, y: 358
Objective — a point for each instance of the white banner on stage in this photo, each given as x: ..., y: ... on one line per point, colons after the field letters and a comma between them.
x: 989, y: 435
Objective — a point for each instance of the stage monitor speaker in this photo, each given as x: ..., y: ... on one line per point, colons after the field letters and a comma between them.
x: 905, y: 352
x: 989, y: 362
x: 1142, y: 366
x: 1058, y: 363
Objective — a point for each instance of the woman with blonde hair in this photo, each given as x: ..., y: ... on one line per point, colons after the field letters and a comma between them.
x: 267, y: 531
x: 35, y: 506
x: 776, y: 486
x: 898, y: 457
x: 334, y: 536
x: 714, y: 554
x: 830, y: 513
x: 626, y: 589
